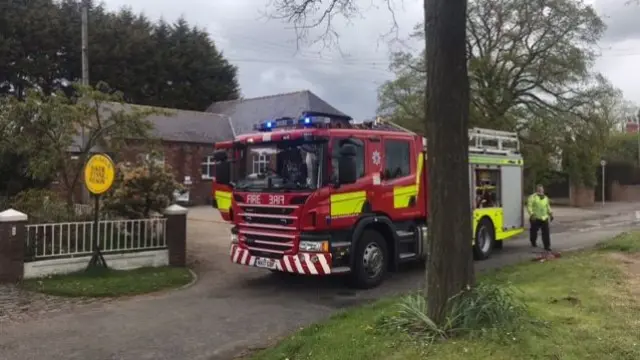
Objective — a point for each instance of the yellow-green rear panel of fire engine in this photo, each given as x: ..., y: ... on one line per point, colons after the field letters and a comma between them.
x: 508, y: 218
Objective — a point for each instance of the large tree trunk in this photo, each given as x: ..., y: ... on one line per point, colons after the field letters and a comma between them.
x: 450, y: 263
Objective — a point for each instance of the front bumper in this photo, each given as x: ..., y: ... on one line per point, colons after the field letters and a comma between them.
x: 301, y: 263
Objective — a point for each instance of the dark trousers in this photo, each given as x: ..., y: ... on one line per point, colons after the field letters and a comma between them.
x: 543, y: 226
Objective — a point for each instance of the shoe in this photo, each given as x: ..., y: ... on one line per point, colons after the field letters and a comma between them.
x: 548, y: 250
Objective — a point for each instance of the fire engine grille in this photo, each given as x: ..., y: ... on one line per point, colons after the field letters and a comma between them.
x: 267, y: 246
x: 267, y: 219
x: 268, y: 210
x: 268, y: 231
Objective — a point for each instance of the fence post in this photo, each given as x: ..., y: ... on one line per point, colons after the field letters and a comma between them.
x: 176, y: 235
x: 12, y: 245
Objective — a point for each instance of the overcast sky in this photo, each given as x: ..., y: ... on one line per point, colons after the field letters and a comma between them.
x: 265, y: 50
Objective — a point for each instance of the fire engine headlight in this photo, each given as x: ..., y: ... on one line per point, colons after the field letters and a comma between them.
x: 234, y: 238
x: 314, y: 246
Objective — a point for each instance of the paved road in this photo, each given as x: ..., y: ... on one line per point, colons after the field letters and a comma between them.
x: 231, y: 307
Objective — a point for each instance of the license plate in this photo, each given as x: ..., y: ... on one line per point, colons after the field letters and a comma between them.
x: 266, y: 263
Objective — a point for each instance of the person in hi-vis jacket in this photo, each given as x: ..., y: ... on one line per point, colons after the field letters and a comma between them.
x: 539, y: 209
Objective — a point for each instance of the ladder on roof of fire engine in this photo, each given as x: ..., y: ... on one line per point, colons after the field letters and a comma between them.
x: 490, y: 141
x: 481, y: 140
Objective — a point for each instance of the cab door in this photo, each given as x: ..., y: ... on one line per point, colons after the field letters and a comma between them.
x: 399, y: 179
x: 347, y: 201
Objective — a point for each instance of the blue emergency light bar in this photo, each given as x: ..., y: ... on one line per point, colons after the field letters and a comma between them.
x: 308, y: 119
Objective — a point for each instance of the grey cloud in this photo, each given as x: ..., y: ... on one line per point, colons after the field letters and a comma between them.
x: 622, y: 18
x: 266, y: 55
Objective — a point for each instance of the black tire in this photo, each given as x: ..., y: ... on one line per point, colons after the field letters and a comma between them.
x: 485, y: 239
x: 370, y: 260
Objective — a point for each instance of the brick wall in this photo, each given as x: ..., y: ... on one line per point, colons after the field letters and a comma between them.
x: 185, y: 159
x: 630, y: 193
x: 580, y: 196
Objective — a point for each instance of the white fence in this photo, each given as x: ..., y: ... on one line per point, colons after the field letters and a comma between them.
x: 74, y: 239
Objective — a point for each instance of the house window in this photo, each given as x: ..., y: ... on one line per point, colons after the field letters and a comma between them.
x: 156, y: 159
x: 260, y: 162
x: 397, y: 159
x: 208, y: 167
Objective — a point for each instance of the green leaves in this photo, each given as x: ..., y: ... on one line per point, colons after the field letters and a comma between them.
x: 141, y: 189
x: 57, y: 133
x: 530, y: 69
x: 174, y: 66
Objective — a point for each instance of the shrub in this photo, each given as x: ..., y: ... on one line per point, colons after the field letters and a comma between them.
x: 480, y: 309
x: 43, y: 206
x: 141, y: 189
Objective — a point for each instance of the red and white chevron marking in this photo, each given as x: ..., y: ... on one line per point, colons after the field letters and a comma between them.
x: 303, y: 263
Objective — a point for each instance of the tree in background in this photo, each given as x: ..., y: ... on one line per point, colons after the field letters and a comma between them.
x: 56, y: 121
x: 29, y: 46
x: 530, y: 68
x: 158, y: 64
x: 402, y: 100
x: 15, y: 175
x: 141, y: 189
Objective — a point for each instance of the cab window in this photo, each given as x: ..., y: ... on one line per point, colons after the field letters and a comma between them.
x: 397, y: 159
x: 335, y: 154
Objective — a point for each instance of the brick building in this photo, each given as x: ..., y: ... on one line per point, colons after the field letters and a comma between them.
x: 186, y: 137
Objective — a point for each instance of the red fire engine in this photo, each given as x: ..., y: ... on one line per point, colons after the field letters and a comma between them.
x: 321, y: 195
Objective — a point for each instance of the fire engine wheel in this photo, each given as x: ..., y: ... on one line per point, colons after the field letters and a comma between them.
x: 485, y: 240
x: 370, y: 265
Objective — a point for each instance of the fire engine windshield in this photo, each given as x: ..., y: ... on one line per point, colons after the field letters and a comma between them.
x: 280, y: 166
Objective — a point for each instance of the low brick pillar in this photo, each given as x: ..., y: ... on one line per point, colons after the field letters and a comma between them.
x: 12, y: 245
x: 581, y: 196
x: 176, y: 234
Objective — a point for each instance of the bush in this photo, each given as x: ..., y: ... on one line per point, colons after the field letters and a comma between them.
x: 480, y: 309
x: 141, y: 189
x: 43, y: 206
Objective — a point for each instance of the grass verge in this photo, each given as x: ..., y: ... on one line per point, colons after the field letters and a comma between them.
x: 111, y: 283
x: 583, y: 307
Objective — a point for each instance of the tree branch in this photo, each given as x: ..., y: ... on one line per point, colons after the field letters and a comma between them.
x: 307, y: 15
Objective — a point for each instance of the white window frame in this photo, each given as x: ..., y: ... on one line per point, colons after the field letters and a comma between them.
x: 157, y: 160
x: 259, y: 160
x: 207, y: 161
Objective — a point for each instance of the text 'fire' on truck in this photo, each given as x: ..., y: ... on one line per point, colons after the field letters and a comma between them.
x: 321, y: 195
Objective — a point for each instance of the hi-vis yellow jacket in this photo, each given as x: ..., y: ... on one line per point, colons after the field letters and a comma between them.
x: 538, y: 207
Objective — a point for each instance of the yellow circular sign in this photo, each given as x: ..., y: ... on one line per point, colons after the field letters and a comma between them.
x: 99, y: 174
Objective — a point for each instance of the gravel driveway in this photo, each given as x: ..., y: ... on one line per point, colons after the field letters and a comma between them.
x: 229, y: 309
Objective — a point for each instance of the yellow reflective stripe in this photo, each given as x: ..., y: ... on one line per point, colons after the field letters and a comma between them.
x: 493, y: 161
x: 419, y: 172
x: 223, y: 200
x: 402, y: 195
x: 347, y: 203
